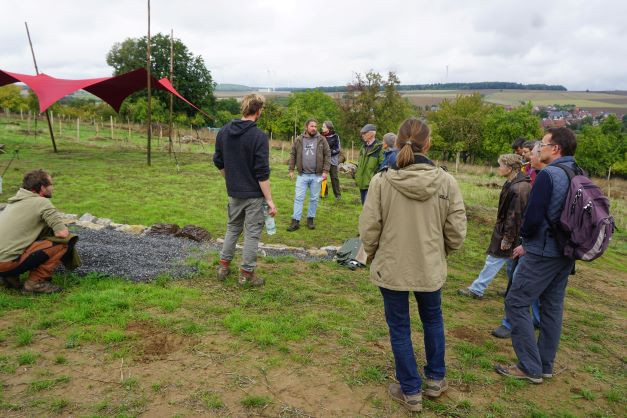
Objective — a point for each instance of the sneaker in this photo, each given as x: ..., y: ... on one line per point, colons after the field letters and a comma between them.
x: 11, y: 282
x: 434, y: 388
x: 501, y: 292
x: 293, y: 226
x: 310, y: 223
x: 516, y: 373
x: 547, y: 375
x: 249, y: 277
x: 41, y: 286
x: 467, y: 292
x: 412, y: 403
x: 223, y: 270
x: 501, y: 332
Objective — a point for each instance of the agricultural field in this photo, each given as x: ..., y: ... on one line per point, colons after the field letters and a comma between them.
x: 312, y: 342
x: 606, y: 101
x: 615, y: 102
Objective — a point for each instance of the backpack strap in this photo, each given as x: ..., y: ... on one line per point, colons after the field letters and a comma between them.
x: 578, y: 171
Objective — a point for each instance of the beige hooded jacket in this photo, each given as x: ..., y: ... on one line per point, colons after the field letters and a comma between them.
x: 412, y: 218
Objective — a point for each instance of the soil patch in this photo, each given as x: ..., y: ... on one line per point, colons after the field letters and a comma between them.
x: 155, y: 343
x: 468, y: 334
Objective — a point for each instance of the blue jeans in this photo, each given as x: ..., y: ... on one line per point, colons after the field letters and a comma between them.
x: 535, y: 306
x: 543, y: 278
x: 490, y: 269
x: 304, y: 182
x: 396, y: 306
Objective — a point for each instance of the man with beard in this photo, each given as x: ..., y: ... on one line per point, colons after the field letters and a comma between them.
x: 26, y: 216
x: 311, y: 156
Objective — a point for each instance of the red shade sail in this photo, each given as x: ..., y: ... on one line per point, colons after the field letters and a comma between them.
x: 113, y: 90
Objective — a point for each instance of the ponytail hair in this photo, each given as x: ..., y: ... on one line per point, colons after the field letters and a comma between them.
x: 413, y: 135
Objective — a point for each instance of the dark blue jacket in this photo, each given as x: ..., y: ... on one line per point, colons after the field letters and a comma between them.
x: 389, y: 158
x: 242, y: 150
x: 546, y: 202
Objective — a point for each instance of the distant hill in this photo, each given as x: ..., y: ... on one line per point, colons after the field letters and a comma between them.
x: 233, y: 87
x: 483, y: 85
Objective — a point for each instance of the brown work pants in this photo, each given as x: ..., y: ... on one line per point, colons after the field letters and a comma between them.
x: 41, y: 258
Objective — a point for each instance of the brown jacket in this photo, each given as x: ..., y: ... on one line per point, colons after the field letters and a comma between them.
x: 512, y: 203
x: 411, y: 220
x: 323, y: 155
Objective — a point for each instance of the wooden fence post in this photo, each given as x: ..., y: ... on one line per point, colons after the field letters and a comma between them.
x: 78, y: 129
x: 111, y: 122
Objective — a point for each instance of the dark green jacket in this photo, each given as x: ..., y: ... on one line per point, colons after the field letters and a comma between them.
x: 368, y: 164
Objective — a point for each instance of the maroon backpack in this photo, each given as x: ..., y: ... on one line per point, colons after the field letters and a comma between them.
x: 585, y: 226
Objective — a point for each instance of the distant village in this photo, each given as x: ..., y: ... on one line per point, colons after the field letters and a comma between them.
x: 557, y: 116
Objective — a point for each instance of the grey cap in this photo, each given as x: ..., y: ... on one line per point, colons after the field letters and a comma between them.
x: 390, y: 139
x: 367, y: 128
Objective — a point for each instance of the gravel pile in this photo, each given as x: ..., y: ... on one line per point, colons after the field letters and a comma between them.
x: 143, y: 257
x: 139, y: 258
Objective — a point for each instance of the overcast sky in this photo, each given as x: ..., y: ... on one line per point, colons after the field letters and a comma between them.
x: 579, y: 44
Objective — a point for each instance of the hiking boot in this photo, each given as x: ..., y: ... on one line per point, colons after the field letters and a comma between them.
x: 467, y: 292
x: 249, y: 277
x: 11, y: 282
x: 293, y: 226
x: 310, y: 223
x: 41, y: 286
x: 516, y: 373
x: 435, y: 387
x: 223, y: 270
x: 501, y: 332
x: 412, y: 403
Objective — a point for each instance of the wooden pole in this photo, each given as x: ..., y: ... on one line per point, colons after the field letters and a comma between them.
x: 171, y: 82
x: 78, y: 129
x: 609, y: 176
x: 54, y: 144
x: 128, y: 122
x: 148, y: 107
x: 111, y: 124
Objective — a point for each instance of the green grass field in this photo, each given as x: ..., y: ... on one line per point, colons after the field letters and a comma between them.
x: 312, y: 342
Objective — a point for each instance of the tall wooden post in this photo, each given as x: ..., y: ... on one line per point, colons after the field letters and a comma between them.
x: 148, y: 107
x: 54, y: 144
x: 171, y: 82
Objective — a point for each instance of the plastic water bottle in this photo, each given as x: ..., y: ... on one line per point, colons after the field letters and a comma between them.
x: 270, y: 224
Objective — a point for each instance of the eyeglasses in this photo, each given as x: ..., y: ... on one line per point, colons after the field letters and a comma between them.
x: 546, y: 145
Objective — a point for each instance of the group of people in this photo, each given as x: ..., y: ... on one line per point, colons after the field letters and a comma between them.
x: 413, y: 216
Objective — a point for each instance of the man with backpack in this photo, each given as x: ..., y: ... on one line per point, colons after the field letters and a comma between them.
x: 370, y: 159
x: 543, y: 272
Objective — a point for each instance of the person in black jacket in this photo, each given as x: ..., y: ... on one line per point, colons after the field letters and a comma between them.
x: 334, y: 143
x: 242, y: 156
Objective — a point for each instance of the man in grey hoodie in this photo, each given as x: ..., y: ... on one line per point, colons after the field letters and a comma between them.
x: 25, y: 217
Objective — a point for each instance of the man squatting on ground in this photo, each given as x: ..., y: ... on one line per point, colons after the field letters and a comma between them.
x: 27, y: 215
x: 311, y: 156
x: 370, y: 159
x: 242, y: 156
x: 544, y: 270
x: 334, y: 144
x: 506, y: 231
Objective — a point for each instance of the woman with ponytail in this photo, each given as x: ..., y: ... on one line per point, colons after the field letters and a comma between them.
x: 413, y: 217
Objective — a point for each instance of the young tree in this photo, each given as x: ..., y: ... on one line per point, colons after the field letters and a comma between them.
x: 458, y: 126
x: 305, y: 105
x: 601, y: 147
x: 372, y: 99
x: 502, y: 127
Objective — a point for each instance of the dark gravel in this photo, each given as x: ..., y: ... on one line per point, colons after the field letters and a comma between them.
x: 142, y: 258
